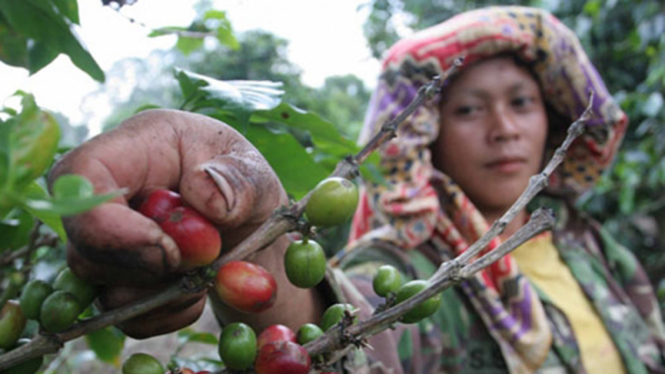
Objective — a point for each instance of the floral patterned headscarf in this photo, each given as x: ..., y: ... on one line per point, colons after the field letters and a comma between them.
x: 408, y: 212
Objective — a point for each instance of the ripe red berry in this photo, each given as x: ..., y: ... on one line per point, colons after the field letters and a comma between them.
x: 245, y: 286
x: 282, y: 358
x: 198, y: 240
x: 275, y: 333
x: 159, y: 203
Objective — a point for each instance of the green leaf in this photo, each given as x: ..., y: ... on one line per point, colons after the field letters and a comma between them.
x: 215, y: 14
x: 190, y: 336
x: 168, y: 30
x: 5, y: 153
x: 41, y: 54
x: 188, y: 87
x: 33, y: 143
x: 72, y: 186
x: 14, y: 47
x: 67, y: 207
x: 15, y: 231
x: 234, y: 96
x: 69, y: 8
x: 35, y: 191
x: 107, y: 344
x: 39, y: 20
x: 72, y: 195
x: 223, y: 26
x: 325, y: 136
x: 291, y: 162
x: 188, y: 45
x: 592, y: 8
x: 226, y: 37
x: 146, y: 107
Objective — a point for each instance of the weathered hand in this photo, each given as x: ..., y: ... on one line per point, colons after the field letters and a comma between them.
x: 217, y: 172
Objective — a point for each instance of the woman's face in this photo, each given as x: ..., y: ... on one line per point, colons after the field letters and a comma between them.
x: 493, y: 129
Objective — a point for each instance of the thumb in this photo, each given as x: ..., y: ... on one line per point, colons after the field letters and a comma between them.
x: 236, y: 191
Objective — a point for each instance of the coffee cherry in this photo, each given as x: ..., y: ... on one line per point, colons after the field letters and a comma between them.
x: 84, y: 292
x: 305, y: 263
x: 334, y: 314
x: 308, y: 332
x: 237, y: 346
x: 246, y: 286
x: 423, y: 310
x: 159, y: 203
x: 12, y: 323
x: 142, y: 363
x: 282, y: 358
x: 275, y: 333
x: 387, y: 280
x: 59, y: 311
x: 33, y: 296
x: 198, y: 240
x: 332, y: 202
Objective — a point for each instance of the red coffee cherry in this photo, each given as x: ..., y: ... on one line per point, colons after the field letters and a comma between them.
x: 245, y: 286
x: 282, y: 358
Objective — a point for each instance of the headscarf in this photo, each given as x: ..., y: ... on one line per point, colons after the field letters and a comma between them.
x: 407, y: 212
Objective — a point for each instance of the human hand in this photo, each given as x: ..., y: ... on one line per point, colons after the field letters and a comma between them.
x: 216, y: 171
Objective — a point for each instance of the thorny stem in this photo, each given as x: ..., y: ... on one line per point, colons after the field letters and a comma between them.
x: 540, y: 221
x: 45, y: 343
x: 389, y: 128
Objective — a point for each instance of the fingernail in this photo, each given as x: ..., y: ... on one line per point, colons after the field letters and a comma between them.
x: 223, y: 185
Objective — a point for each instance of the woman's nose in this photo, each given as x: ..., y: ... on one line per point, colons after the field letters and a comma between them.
x: 503, y: 126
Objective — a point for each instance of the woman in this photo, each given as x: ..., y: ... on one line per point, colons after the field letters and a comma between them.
x: 570, y: 301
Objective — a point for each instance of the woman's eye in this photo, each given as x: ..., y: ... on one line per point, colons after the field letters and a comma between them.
x: 466, y: 109
x: 522, y: 101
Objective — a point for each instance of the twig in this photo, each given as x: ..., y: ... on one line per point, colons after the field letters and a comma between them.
x: 50, y: 343
x: 540, y: 221
x: 45, y: 239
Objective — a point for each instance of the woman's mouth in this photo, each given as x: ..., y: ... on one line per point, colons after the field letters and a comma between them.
x: 507, y: 165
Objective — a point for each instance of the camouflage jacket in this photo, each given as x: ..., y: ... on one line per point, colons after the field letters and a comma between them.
x: 455, y: 339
